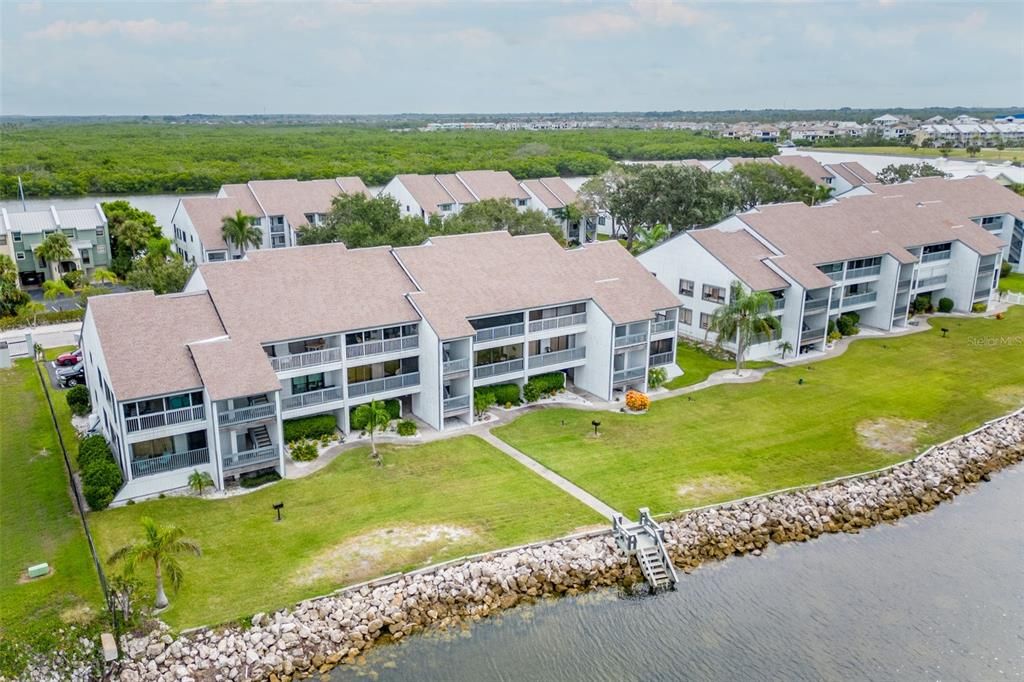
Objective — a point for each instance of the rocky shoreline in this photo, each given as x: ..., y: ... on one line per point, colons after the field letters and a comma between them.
x: 321, y: 633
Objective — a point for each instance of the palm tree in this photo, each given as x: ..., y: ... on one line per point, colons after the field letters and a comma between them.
x: 161, y: 545
x: 821, y: 193
x: 376, y: 418
x: 132, y: 234
x: 199, y: 481
x: 54, y: 288
x: 54, y: 249
x: 649, y: 237
x: 785, y: 347
x: 32, y: 308
x: 238, y: 230
x: 102, y: 275
x: 743, y: 318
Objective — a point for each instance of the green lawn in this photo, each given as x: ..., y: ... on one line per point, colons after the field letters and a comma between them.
x: 337, y: 522
x: 986, y: 154
x: 38, y: 522
x: 1013, y: 282
x: 698, y: 365
x: 740, y: 439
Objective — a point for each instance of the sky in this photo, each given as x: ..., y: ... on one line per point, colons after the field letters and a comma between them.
x: 492, y: 56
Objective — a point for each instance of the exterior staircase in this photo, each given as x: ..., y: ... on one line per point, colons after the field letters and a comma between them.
x: 260, y: 436
x: 646, y: 540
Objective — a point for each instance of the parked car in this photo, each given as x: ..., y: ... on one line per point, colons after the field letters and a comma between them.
x: 71, y: 376
x: 68, y: 359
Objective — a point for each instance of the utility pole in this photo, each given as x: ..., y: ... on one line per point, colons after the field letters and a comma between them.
x: 21, y: 193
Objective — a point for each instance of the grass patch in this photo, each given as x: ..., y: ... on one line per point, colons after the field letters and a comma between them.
x: 986, y: 154
x: 1013, y: 282
x: 697, y: 365
x: 777, y: 433
x: 39, y: 523
x: 450, y: 498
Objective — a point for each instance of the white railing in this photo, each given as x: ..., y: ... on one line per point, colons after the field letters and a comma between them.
x: 498, y: 368
x: 661, y: 359
x: 984, y: 292
x: 628, y: 374
x: 455, y: 366
x: 835, y: 276
x: 630, y: 340
x: 868, y: 271
x: 459, y: 402
x: 233, y: 460
x: 245, y: 414
x: 815, y: 304
x: 558, y: 357
x: 170, y: 462
x: 308, y: 359
x: 558, y: 322
x: 663, y: 326
x: 937, y: 256
x: 392, y: 383
x: 168, y: 418
x: 324, y: 395
x: 502, y: 332
x: 358, y: 350
x: 931, y: 281
x: 811, y: 334
x: 858, y: 299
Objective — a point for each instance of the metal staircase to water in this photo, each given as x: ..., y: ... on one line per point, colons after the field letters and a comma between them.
x: 646, y: 540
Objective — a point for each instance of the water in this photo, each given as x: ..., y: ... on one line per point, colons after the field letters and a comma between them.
x: 936, y: 597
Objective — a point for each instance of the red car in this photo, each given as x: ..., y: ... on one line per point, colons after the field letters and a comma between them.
x: 69, y: 359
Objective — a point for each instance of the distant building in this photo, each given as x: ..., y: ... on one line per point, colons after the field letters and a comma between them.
x: 425, y: 195
x: 85, y: 228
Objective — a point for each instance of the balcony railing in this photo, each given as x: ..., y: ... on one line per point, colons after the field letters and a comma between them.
x: 246, y: 414
x: 868, y: 271
x: 234, y: 460
x: 456, y: 366
x: 663, y: 326
x: 811, y: 334
x: 661, y: 359
x: 984, y: 292
x: 630, y: 374
x: 858, y: 299
x: 391, y: 383
x: 558, y: 357
x: 630, y: 340
x: 170, y: 462
x: 813, y: 304
x: 498, y: 368
x: 324, y: 395
x: 835, y: 275
x: 937, y: 256
x: 502, y: 332
x: 359, y: 350
x: 930, y: 281
x: 986, y: 269
x: 168, y: 418
x: 459, y: 402
x: 308, y: 359
x: 558, y: 322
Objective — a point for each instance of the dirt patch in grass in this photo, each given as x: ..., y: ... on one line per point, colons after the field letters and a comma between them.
x: 80, y: 614
x: 889, y: 434
x: 376, y: 552
x: 714, y: 487
x: 1011, y: 396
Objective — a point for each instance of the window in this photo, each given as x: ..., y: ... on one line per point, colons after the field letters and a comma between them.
x: 277, y: 220
x: 69, y: 233
x: 713, y: 294
x: 311, y: 218
x: 446, y: 207
x: 490, y: 356
x: 686, y: 316
x: 661, y: 346
x: 20, y: 255
x: 3, y: 238
x: 16, y: 236
x: 277, y: 241
x: 278, y: 229
x: 84, y: 254
x: 215, y: 256
x: 310, y: 382
x: 600, y: 220
x: 705, y: 320
x: 257, y: 222
x: 686, y: 287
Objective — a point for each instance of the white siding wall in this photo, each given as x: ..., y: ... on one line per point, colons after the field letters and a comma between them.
x: 396, y: 190
x: 427, y: 403
x: 596, y: 375
x: 961, y: 275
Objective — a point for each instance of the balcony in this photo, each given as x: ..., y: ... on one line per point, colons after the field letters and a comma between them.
x: 169, y: 418
x: 170, y: 462
x: 859, y: 299
x: 930, y: 281
x: 815, y: 304
x: 558, y: 322
x: 251, y: 413
x: 631, y: 374
x: 502, y: 332
x: 558, y: 357
x: 934, y: 257
x: 630, y: 340
x: 663, y: 326
x: 324, y: 395
x: 986, y: 269
x: 236, y: 460
x: 391, y: 383
x: 984, y: 292
x: 498, y: 368
x: 456, y: 404
x: 359, y: 350
x: 870, y: 271
x: 808, y: 335
x: 661, y: 359
x: 835, y: 275
x: 308, y: 359
x: 457, y: 366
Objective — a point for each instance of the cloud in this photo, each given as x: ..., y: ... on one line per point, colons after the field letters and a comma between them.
x: 820, y: 34
x: 30, y: 7
x: 470, y: 38
x: 637, y: 15
x: 135, y: 29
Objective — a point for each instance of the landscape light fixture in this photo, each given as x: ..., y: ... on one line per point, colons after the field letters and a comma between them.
x: 278, y: 507
x: 944, y: 332
x: 596, y: 424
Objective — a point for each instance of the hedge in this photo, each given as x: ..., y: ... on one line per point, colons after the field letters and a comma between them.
x: 101, y: 477
x: 505, y: 394
x: 49, y: 317
x: 407, y: 427
x: 309, y: 427
x: 393, y: 407
x: 78, y: 400
x: 543, y: 384
x: 91, y: 448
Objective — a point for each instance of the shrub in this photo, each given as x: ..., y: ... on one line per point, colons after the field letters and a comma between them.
x: 407, y: 427
x: 309, y: 427
x: 482, y: 401
x: 854, y: 316
x: 531, y: 392
x: 945, y: 305
x: 637, y: 401
x: 832, y: 327
x: 78, y: 400
x: 393, y: 407
x: 1004, y: 269
x: 101, y: 479
x: 303, y: 450
x: 847, y: 325
x: 91, y: 448
x: 921, y: 304
x: 979, y: 307
x: 506, y: 393
x: 49, y: 317
x: 656, y: 377
x: 259, y: 479
x: 834, y: 336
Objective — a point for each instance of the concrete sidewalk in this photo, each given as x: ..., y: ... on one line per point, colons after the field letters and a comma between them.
x: 50, y: 336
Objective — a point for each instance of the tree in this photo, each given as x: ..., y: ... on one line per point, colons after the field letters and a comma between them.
x: 117, y: 213
x: 375, y: 415
x: 903, y: 172
x: 54, y: 288
x: 159, y: 269
x: 594, y: 194
x: 238, y: 230
x: 762, y: 183
x: 11, y: 296
x: 103, y: 276
x: 360, y: 221
x: 785, y: 347
x: 162, y: 545
x: 649, y: 237
x: 821, y: 193
x: 32, y: 308
x: 132, y: 234
x: 945, y: 149
x: 744, y: 317
x: 973, y: 150
x: 501, y: 214
x: 199, y: 481
x: 54, y: 249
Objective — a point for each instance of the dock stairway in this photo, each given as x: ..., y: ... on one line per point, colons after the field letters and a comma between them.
x: 646, y: 540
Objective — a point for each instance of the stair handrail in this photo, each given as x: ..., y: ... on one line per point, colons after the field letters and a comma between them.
x: 658, y: 533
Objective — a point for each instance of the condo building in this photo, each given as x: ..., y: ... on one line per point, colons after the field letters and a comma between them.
x: 871, y: 254
x: 204, y: 380
x: 86, y: 229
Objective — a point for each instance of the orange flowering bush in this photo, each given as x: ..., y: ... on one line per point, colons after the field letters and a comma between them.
x: 637, y: 401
